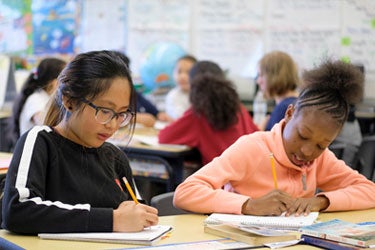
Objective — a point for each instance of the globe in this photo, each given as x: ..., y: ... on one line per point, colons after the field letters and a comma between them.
x: 157, y: 64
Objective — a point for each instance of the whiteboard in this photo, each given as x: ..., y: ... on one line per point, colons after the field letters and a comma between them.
x: 237, y: 33
x: 103, y: 27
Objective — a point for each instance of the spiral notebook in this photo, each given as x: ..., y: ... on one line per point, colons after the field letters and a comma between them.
x: 278, y: 222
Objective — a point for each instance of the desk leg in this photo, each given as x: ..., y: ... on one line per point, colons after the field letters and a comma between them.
x: 178, y: 172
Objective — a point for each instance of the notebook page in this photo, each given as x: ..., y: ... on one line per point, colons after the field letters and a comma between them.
x: 281, y: 221
x: 148, y: 234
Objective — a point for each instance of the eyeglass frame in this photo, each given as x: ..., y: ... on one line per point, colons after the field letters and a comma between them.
x: 126, y: 120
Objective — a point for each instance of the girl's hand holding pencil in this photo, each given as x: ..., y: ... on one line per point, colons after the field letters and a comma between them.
x: 131, y: 216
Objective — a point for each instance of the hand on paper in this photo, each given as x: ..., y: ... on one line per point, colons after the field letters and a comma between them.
x: 162, y: 116
x: 129, y: 217
x: 273, y: 203
x: 303, y: 206
x: 277, y: 202
x: 146, y: 119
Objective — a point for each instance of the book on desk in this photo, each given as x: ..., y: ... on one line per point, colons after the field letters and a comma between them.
x: 327, y: 244
x: 257, y: 230
x: 239, y: 234
x: 342, y: 231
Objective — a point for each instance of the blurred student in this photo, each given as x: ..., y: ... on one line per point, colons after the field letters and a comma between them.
x: 177, y: 99
x: 147, y: 112
x: 278, y: 80
x: 216, y: 117
x: 30, y: 105
x: 297, y: 150
x: 64, y: 176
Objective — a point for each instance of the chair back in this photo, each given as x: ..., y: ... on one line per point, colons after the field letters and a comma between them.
x: 164, y: 204
x: 365, y: 158
x: 152, y: 174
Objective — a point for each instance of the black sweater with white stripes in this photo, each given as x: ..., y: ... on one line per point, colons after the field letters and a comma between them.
x: 56, y: 185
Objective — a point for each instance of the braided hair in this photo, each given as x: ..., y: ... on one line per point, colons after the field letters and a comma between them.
x: 331, y: 87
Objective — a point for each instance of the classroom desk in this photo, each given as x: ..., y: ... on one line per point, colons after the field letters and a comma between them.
x: 187, y: 228
x: 176, y: 155
x: 4, y: 160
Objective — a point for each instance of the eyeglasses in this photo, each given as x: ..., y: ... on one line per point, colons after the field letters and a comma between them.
x: 105, y: 115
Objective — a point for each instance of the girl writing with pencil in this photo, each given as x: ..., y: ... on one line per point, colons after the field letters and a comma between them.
x: 64, y: 176
x: 281, y: 170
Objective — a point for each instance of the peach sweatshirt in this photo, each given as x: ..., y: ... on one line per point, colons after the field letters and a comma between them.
x: 246, y: 166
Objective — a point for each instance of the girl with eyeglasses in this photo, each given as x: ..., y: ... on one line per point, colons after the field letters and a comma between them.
x: 64, y: 176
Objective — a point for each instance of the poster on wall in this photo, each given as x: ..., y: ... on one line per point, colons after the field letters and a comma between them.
x: 15, y: 26
x: 54, y: 24
x: 103, y: 27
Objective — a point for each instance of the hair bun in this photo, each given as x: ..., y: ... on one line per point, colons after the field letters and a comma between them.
x: 345, y: 78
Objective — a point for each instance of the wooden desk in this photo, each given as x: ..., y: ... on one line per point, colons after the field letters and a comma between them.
x: 4, y: 113
x: 4, y: 158
x: 187, y: 228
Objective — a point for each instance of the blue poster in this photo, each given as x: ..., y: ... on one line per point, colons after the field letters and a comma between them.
x: 54, y: 24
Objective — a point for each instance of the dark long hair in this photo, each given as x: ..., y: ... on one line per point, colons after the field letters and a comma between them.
x: 87, y: 76
x: 47, y: 70
x: 213, y: 96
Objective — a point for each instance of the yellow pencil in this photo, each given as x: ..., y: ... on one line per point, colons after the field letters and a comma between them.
x: 130, y: 190
x: 273, y: 170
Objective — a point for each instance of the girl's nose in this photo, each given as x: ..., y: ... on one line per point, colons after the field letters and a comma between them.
x: 307, y: 149
x: 113, y: 123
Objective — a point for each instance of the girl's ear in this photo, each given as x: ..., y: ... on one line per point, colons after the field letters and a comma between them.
x: 68, y: 105
x: 289, y: 112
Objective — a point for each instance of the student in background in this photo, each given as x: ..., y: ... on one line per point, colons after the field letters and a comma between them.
x: 147, y: 112
x: 31, y: 103
x: 277, y: 79
x: 177, y: 99
x: 216, y: 117
x: 297, y: 147
x: 64, y: 176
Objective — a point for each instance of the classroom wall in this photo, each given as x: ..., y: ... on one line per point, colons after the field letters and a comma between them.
x: 233, y: 33
x: 237, y: 33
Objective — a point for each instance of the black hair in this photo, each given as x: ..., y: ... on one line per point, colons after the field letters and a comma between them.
x: 124, y: 57
x: 48, y: 69
x: 213, y: 96
x: 88, y: 76
x: 207, y: 67
x: 332, y: 87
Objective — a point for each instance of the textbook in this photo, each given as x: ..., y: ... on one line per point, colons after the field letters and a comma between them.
x: 237, y: 233
x: 276, y: 222
x: 148, y: 236
x: 342, y: 231
x: 327, y: 244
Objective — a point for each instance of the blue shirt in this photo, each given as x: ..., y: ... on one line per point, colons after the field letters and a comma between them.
x: 278, y: 112
x: 145, y: 106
